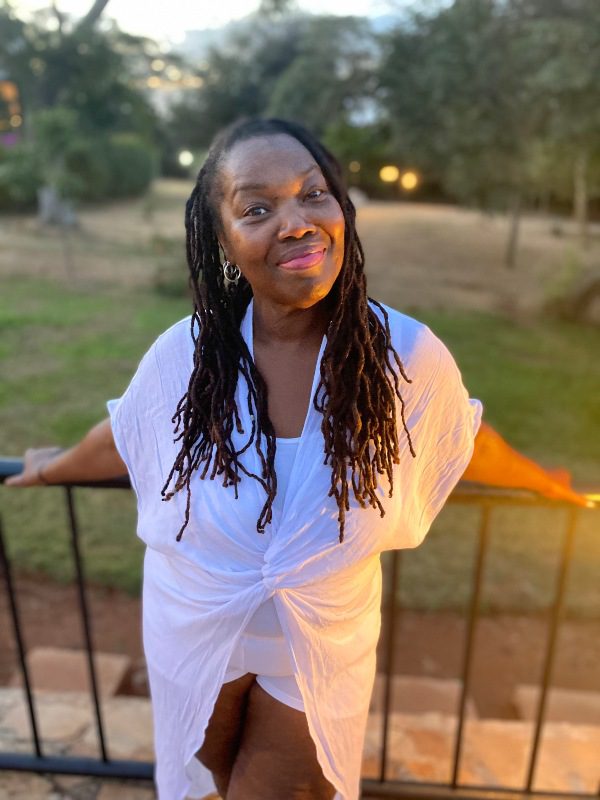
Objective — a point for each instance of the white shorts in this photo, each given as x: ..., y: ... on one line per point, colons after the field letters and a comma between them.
x: 269, y: 659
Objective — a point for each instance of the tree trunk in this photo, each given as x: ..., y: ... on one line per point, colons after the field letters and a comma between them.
x: 93, y: 14
x: 580, y: 196
x: 59, y: 17
x: 54, y: 210
x: 510, y: 257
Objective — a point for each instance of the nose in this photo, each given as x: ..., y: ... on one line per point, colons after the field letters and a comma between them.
x: 294, y: 222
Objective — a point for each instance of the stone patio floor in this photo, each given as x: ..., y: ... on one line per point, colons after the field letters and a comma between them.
x: 23, y: 786
x: 495, y: 752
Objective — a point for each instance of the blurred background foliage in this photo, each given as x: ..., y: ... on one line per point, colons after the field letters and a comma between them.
x: 495, y: 103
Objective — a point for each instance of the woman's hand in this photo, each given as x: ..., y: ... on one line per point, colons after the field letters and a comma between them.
x: 34, y: 461
x: 94, y: 458
x: 496, y: 463
x: 557, y: 486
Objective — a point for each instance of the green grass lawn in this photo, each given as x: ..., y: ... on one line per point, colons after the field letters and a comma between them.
x: 65, y: 350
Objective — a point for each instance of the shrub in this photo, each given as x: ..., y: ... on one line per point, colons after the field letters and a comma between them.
x: 86, y: 177
x: 171, y: 274
x: 20, y: 178
x: 81, y: 170
x: 130, y: 164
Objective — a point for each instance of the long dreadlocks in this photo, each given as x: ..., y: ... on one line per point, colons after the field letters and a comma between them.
x: 359, y: 372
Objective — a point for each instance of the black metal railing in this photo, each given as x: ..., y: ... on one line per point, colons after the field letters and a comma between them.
x: 484, y: 497
x: 487, y: 499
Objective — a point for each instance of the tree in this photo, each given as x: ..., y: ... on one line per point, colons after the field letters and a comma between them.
x: 331, y: 75
x: 77, y: 66
x: 487, y: 94
x: 77, y: 87
x: 315, y: 69
x: 460, y: 104
x: 566, y: 38
x: 237, y: 77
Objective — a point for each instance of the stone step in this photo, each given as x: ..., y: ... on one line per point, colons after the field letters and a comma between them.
x: 421, y: 746
x: 57, y: 669
x: 562, y: 705
x: 412, y: 694
x: 27, y: 786
x: 67, y: 724
x: 494, y: 752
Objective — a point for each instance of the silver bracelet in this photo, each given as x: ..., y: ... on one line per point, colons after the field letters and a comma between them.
x: 40, y: 474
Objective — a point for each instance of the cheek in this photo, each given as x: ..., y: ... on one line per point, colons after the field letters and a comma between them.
x: 246, y: 242
x: 337, y: 229
x: 336, y: 222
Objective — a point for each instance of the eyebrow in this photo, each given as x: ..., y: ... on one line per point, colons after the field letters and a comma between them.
x: 245, y: 187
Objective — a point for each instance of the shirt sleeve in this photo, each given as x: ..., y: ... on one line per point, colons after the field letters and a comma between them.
x: 443, y: 422
x: 133, y: 418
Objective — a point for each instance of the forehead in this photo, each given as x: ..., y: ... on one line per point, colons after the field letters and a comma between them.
x: 268, y: 161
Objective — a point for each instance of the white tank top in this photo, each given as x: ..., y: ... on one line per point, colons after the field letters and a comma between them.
x: 265, y: 621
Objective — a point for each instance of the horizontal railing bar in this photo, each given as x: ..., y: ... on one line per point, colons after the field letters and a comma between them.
x: 413, y: 790
x: 72, y: 765
x: 144, y: 770
x: 466, y: 492
x: 14, y: 466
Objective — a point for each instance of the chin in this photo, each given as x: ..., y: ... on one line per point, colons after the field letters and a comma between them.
x: 312, y: 296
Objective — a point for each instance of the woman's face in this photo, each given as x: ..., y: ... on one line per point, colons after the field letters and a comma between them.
x: 279, y: 222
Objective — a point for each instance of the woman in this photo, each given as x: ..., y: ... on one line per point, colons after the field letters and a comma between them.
x: 278, y: 441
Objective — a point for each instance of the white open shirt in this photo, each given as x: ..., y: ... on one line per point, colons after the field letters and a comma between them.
x: 200, y: 593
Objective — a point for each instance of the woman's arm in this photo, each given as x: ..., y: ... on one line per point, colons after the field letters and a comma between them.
x: 496, y: 463
x: 94, y: 458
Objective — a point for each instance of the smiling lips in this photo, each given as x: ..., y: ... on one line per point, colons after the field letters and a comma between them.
x: 304, y: 260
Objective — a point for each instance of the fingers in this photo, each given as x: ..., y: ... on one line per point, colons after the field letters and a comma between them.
x: 24, y: 479
x: 18, y: 480
x: 563, y: 493
x: 34, y: 459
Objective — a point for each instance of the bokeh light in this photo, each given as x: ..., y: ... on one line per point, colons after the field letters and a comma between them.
x: 389, y: 173
x: 409, y: 180
x: 186, y: 159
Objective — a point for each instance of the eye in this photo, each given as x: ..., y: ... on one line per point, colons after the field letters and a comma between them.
x: 255, y: 211
x: 316, y: 194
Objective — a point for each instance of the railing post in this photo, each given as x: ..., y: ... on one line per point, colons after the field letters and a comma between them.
x: 85, y: 619
x: 470, y: 635
x: 555, y: 620
x: 14, y: 613
x: 390, y: 651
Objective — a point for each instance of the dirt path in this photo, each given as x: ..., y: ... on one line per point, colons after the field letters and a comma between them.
x: 509, y: 649
x: 417, y: 255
